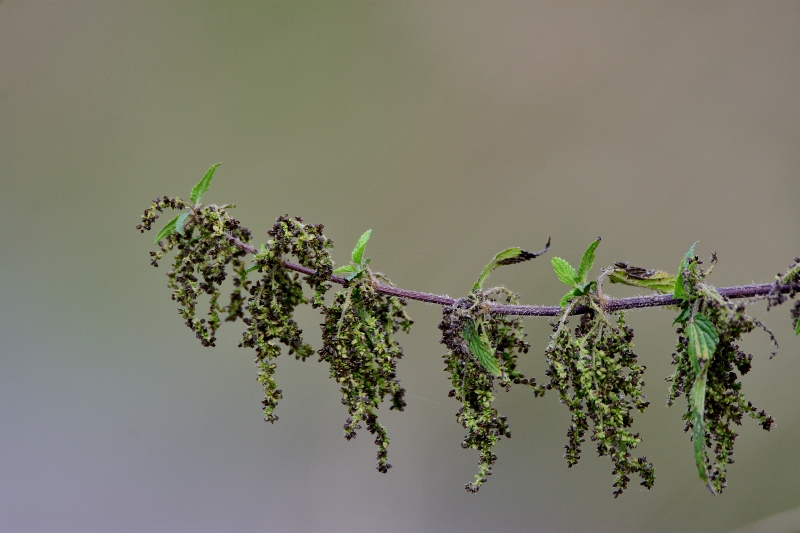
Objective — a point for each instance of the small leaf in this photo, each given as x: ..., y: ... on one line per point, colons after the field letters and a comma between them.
x: 202, y: 186
x: 682, y: 316
x: 797, y: 328
x: 509, y: 256
x: 703, y: 340
x: 169, y: 228
x: 679, y: 292
x: 569, y: 296
x: 358, y: 251
x: 180, y: 222
x: 478, y: 347
x: 587, y: 261
x: 697, y: 399
x: 347, y: 269
x: 565, y: 272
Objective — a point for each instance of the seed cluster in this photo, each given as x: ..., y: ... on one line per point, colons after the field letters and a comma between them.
x: 473, y: 385
x: 203, y: 256
x: 597, y: 376
x: 725, y: 404
x: 362, y: 354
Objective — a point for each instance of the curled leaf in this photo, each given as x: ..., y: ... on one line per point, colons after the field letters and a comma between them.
x: 509, y: 256
x: 654, y: 280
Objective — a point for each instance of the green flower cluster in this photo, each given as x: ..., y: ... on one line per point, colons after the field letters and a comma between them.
x: 483, y: 348
x: 707, y: 358
x: 275, y: 296
x: 597, y: 376
x: 592, y: 366
x: 203, y: 256
x: 358, y: 346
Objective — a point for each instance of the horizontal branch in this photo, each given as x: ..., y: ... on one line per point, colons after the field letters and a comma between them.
x: 611, y: 305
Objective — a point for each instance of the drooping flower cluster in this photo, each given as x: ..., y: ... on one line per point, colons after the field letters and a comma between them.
x: 477, y: 342
x: 275, y: 296
x: 203, y: 255
x: 715, y: 400
x: 597, y: 376
x: 358, y: 345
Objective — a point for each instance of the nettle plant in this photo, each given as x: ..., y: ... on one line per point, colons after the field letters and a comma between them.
x: 591, y: 366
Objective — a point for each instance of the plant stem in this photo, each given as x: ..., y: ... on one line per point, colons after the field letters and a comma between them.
x: 611, y: 305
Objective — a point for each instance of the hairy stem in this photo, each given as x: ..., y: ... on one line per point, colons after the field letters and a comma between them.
x: 611, y: 305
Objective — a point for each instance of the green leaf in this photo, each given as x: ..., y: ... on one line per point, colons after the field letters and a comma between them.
x: 703, y: 340
x: 569, y: 296
x: 347, y: 269
x: 180, y: 222
x: 587, y: 261
x: 509, y: 256
x: 169, y: 228
x: 565, y: 272
x: 682, y: 316
x: 478, y: 347
x: 797, y: 328
x: 358, y: 251
x: 202, y: 186
x: 679, y: 292
x: 653, y: 280
x: 697, y: 400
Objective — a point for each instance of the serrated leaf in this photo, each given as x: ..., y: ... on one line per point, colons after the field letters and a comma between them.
x: 679, y: 292
x: 569, y: 296
x: 682, y: 316
x: 480, y: 349
x: 653, y: 280
x: 697, y: 399
x: 509, y: 256
x: 202, y: 186
x: 584, y: 289
x: 169, y: 228
x: 587, y: 261
x: 703, y: 340
x: 565, y: 272
x: 347, y: 269
x: 358, y: 251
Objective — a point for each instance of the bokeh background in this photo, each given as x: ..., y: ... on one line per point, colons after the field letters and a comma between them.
x: 453, y: 130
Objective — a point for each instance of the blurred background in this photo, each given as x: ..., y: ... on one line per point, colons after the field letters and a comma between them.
x: 453, y: 130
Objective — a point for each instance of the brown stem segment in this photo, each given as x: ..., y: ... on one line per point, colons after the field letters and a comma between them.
x: 611, y: 305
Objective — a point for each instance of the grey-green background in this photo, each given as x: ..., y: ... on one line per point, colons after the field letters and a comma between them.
x: 454, y: 130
